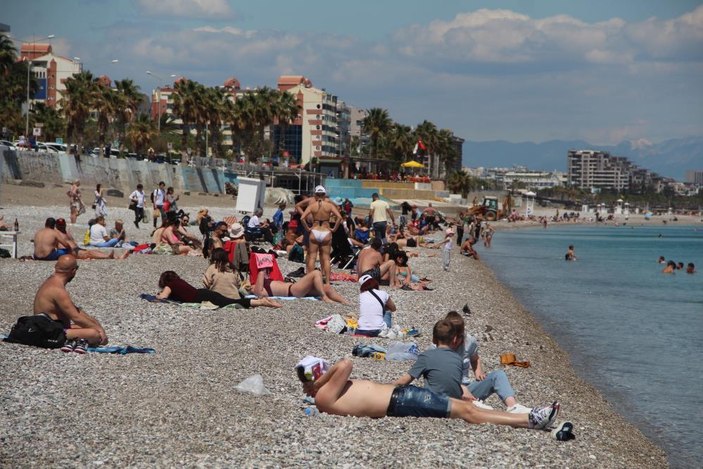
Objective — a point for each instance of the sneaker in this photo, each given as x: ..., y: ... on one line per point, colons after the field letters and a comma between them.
x: 564, y: 431
x: 540, y: 418
x: 136, y: 224
x: 519, y: 409
x: 68, y: 346
x: 81, y: 346
x: 482, y: 405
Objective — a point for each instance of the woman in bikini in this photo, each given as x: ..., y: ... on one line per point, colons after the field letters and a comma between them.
x: 321, y: 210
x: 309, y: 285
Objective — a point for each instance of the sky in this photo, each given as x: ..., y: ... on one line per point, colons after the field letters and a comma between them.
x: 603, y: 71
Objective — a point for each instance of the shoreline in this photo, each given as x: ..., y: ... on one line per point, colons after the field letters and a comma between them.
x: 178, y: 407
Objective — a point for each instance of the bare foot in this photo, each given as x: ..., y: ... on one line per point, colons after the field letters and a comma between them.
x: 112, y: 255
x: 327, y: 299
x: 126, y: 254
x: 268, y: 302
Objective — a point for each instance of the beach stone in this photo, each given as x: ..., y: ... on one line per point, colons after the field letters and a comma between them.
x: 115, y: 193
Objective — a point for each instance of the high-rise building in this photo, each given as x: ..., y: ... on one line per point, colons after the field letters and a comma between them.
x: 695, y: 177
x: 588, y: 169
x: 315, y: 133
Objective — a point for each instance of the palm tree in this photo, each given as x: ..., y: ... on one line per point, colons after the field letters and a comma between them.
x: 401, y: 142
x: 446, y: 149
x: 376, y: 125
x: 128, y: 101
x: 141, y: 132
x: 185, y: 106
x: 8, y: 53
x: 286, y: 110
x: 76, y: 104
x: 462, y: 183
x: 215, y: 103
x: 427, y: 132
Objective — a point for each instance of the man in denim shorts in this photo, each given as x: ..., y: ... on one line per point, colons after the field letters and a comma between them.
x: 336, y: 394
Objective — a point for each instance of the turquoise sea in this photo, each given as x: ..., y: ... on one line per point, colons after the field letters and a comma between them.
x: 633, y: 332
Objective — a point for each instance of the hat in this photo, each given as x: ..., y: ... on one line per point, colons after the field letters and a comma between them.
x: 364, y: 278
x: 320, y: 190
x: 236, y: 231
x: 338, y: 200
x: 311, y: 368
x: 60, y: 222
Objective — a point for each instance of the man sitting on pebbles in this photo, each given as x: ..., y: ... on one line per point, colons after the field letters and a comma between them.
x: 49, y: 243
x: 53, y: 303
x: 336, y: 394
x: 371, y: 263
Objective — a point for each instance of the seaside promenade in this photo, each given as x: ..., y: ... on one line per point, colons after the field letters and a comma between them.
x: 179, y: 406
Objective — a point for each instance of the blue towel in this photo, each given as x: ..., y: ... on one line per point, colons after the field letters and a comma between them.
x: 153, y: 299
x: 313, y: 298
x: 121, y: 350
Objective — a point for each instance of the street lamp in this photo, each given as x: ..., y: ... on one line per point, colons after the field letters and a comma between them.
x: 29, y: 69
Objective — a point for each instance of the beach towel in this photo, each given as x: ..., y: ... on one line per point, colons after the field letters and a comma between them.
x: 288, y: 298
x: 343, y: 277
x: 274, y: 273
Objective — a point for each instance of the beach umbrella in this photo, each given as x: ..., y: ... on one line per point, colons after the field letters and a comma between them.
x: 412, y: 164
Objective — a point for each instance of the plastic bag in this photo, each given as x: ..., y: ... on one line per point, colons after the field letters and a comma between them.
x: 402, y: 351
x: 253, y: 384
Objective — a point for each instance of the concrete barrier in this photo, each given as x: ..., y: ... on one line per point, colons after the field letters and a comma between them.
x: 112, y: 173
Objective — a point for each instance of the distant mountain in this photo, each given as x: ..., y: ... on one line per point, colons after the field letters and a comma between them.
x: 670, y: 158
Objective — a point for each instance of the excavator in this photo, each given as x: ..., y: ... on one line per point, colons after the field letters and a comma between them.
x: 490, y: 210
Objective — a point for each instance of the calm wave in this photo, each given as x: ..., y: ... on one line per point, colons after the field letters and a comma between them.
x: 633, y: 332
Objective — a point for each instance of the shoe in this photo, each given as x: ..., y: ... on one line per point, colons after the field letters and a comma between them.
x: 406, y: 288
x: 519, y: 409
x: 428, y: 288
x: 412, y: 332
x: 68, y: 346
x: 482, y: 405
x: 564, y: 431
x: 136, y: 224
x: 540, y: 418
x: 81, y: 346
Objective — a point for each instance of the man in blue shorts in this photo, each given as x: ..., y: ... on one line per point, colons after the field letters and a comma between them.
x: 50, y: 244
x: 336, y: 394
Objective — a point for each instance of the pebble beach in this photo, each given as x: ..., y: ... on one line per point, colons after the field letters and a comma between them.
x: 179, y: 407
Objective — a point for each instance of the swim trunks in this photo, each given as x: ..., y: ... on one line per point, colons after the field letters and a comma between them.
x: 53, y: 255
x: 375, y: 272
x: 412, y: 401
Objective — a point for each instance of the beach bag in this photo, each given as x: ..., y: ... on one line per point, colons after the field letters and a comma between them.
x: 39, y: 331
x: 511, y: 359
x: 86, y: 237
x: 297, y: 254
x: 132, y: 205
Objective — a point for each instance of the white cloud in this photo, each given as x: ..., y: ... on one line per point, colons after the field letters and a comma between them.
x: 197, y: 8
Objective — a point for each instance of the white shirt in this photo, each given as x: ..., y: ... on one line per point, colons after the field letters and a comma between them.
x: 370, y: 310
x: 158, y: 197
x: 380, y: 208
x: 139, y: 196
x: 253, y: 222
x: 97, y: 233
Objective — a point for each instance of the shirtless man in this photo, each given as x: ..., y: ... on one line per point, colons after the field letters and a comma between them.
x: 371, y: 263
x: 336, y: 394
x: 53, y: 300
x: 49, y: 243
x: 320, y: 210
x: 81, y: 253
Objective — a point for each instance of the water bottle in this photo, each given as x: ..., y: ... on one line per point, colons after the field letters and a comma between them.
x: 312, y: 411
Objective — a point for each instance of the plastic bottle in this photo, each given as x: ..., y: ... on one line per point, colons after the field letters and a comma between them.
x: 17, y: 225
x: 312, y: 411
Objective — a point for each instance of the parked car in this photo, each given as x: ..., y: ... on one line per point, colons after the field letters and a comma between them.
x: 8, y: 144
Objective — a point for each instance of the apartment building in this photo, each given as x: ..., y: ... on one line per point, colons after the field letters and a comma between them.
x: 49, y: 71
x: 593, y: 169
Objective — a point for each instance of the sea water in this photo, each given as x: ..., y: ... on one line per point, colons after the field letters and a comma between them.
x: 632, y: 331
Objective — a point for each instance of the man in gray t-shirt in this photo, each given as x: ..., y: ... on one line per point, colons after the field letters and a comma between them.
x: 442, y: 366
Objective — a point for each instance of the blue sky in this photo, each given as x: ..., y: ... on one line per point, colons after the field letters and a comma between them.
x: 528, y: 70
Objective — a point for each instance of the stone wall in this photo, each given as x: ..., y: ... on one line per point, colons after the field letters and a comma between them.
x: 121, y: 174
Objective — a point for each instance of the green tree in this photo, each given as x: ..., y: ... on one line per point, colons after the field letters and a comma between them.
x: 128, y: 99
x: 140, y: 133
x: 53, y: 123
x: 401, y: 142
x: 377, y: 124
x: 462, y: 183
x: 76, y: 104
x: 186, y: 106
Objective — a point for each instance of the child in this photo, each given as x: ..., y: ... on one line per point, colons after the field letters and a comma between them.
x: 441, y: 366
x: 447, y: 248
x: 485, y: 384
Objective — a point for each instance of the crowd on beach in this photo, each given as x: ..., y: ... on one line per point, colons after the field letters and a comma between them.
x: 371, y: 248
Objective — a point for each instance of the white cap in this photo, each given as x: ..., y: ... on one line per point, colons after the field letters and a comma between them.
x: 364, y: 278
x: 311, y: 368
x: 320, y: 190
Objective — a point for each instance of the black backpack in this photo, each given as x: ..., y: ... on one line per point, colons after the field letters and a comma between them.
x: 37, y: 330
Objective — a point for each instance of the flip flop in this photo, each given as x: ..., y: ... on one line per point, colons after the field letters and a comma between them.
x: 564, y: 431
